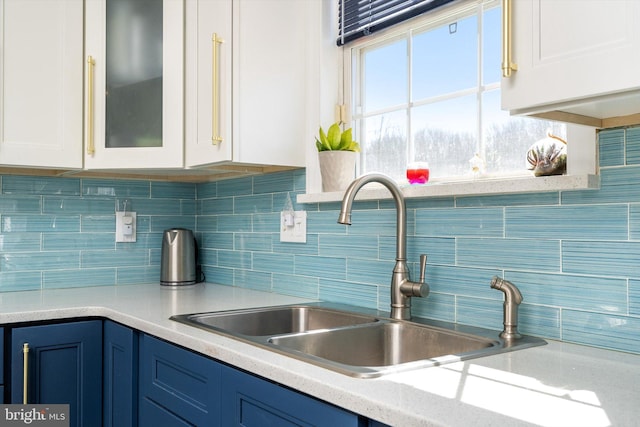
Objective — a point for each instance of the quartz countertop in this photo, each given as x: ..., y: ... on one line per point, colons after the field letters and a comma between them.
x: 559, y: 384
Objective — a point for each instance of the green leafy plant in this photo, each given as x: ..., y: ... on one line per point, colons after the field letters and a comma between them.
x: 336, y: 140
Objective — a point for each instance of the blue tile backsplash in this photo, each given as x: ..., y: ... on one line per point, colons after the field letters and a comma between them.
x: 60, y: 232
x: 575, y: 255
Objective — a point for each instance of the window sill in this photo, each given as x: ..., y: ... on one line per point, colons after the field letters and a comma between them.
x: 479, y: 187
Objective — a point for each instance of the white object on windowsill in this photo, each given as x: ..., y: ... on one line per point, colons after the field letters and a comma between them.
x: 477, y: 165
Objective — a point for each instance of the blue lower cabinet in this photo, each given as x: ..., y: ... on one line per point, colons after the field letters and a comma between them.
x: 2, y: 400
x: 120, y: 384
x: 177, y: 387
x: 249, y: 401
x: 64, y: 365
x: 115, y: 376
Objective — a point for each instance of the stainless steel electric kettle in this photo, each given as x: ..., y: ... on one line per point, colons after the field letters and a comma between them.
x: 178, y: 258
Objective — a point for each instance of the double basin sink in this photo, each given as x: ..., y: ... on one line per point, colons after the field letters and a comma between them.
x: 357, y: 344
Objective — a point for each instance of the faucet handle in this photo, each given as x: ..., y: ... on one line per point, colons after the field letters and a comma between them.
x: 414, y: 289
x: 419, y: 288
x: 423, y: 267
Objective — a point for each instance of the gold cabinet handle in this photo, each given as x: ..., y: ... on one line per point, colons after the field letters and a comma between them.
x: 216, y: 138
x: 25, y: 374
x: 507, y: 65
x: 91, y: 63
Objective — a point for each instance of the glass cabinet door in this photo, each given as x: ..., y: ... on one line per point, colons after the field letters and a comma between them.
x: 134, y: 73
x: 134, y: 84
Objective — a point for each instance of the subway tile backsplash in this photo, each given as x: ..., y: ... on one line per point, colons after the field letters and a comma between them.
x: 574, y: 255
x: 60, y: 232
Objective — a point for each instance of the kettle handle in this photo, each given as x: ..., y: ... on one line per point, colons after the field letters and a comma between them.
x: 200, y: 277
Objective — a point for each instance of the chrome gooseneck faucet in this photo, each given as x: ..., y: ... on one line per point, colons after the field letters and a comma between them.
x: 402, y: 288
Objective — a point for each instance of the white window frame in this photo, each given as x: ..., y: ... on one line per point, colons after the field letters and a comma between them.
x: 581, y: 154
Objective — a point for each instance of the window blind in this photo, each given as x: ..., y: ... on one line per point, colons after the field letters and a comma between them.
x: 359, y: 18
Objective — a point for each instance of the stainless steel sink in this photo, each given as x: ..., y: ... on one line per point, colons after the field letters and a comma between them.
x: 383, y: 344
x: 357, y: 344
x: 274, y: 320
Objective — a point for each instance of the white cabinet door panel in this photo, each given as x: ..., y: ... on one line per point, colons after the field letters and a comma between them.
x: 270, y: 66
x: 41, y: 65
x: 206, y: 143
x: 263, y: 80
x: 568, y: 51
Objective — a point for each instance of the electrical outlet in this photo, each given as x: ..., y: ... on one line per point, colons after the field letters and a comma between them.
x: 293, y: 226
x: 125, y: 226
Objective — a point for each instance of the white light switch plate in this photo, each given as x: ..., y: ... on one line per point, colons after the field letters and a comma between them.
x: 293, y: 231
x: 125, y: 226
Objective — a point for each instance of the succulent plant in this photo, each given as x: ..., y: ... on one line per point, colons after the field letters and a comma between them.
x: 548, y: 156
x: 336, y: 140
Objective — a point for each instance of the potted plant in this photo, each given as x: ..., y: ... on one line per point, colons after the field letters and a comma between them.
x: 337, y: 153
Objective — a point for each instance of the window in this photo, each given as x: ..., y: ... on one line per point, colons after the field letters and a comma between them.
x: 429, y: 90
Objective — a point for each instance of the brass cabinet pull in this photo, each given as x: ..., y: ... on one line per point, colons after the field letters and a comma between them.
x: 91, y: 63
x: 216, y: 138
x: 507, y: 65
x: 25, y: 374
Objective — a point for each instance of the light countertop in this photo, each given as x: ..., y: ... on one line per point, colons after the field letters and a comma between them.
x: 558, y: 384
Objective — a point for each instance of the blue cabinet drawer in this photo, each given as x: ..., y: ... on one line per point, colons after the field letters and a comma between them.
x: 177, y: 383
x: 250, y: 401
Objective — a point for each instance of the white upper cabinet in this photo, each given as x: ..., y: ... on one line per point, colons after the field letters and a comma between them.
x: 155, y: 84
x: 576, y: 60
x: 208, y: 37
x: 41, y: 83
x: 134, y: 84
x: 248, y: 106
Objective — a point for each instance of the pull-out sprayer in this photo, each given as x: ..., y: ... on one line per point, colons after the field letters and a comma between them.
x: 512, y: 299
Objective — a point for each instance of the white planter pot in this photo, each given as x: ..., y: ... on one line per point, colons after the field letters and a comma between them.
x: 337, y: 169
